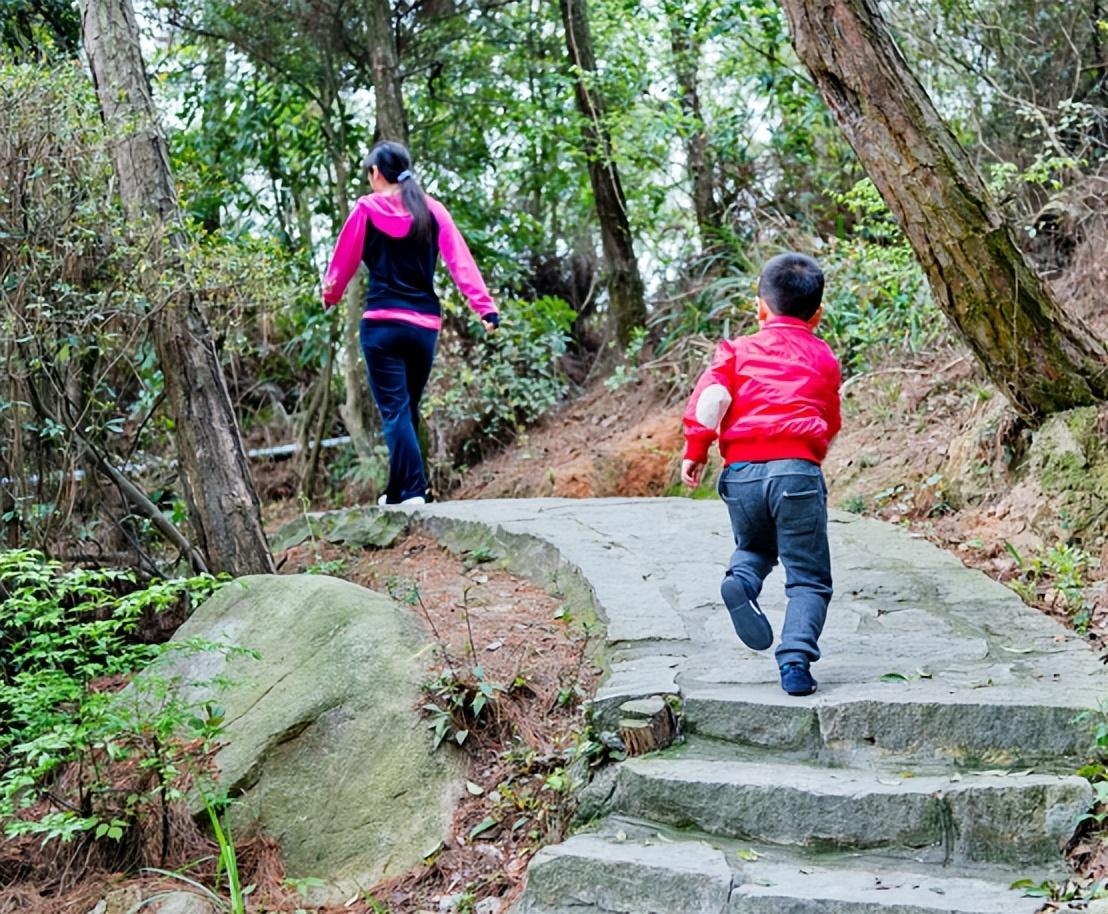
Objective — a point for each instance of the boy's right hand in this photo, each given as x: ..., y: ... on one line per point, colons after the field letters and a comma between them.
x: 691, y: 471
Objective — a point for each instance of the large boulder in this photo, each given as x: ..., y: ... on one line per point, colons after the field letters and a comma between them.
x: 323, y: 745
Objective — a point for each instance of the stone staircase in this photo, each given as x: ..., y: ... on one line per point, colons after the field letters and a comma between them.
x: 826, y: 806
x: 933, y: 768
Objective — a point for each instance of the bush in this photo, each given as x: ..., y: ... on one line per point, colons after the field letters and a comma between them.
x: 79, y: 757
x: 74, y: 332
x: 877, y: 300
x: 483, y: 395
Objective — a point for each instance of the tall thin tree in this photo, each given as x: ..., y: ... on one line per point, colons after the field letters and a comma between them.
x: 392, y: 124
x: 1042, y: 358
x: 686, y: 44
x: 625, y: 287
x: 223, y: 504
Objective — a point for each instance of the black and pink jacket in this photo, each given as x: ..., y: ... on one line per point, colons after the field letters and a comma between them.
x: 402, y: 269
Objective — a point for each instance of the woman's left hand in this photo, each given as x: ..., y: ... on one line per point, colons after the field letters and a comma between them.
x: 489, y: 326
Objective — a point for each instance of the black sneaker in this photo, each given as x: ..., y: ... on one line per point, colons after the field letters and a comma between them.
x: 796, y: 680
x: 750, y: 623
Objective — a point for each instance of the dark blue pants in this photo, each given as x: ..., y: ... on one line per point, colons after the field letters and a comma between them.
x: 398, y: 358
x: 779, y: 511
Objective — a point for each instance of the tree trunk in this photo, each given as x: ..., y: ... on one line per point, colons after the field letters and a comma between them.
x: 686, y: 61
x: 223, y: 504
x: 392, y: 124
x: 215, y: 112
x: 1041, y: 358
x: 356, y: 410
x: 625, y: 288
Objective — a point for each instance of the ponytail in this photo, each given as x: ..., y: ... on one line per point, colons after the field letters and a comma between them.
x: 394, y: 162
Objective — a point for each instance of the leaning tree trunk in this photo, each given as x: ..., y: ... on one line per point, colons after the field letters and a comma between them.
x: 356, y: 410
x: 625, y: 288
x: 1041, y: 358
x: 223, y: 504
x: 686, y: 62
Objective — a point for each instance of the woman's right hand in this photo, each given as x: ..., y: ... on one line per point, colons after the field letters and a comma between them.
x: 327, y: 287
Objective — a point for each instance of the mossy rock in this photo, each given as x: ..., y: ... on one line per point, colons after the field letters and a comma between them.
x: 354, y: 527
x: 1069, y: 459
x: 324, y: 748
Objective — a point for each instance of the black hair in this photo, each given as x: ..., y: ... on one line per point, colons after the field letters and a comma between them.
x: 791, y: 285
x: 393, y: 160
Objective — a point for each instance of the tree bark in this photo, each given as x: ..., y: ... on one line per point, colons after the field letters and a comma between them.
x: 215, y: 112
x: 686, y: 60
x: 392, y: 122
x: 1041, y: 358
x: 223, y: 504
x: 625, y: 287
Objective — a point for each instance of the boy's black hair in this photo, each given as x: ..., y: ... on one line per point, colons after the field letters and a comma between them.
x: 791, y: 285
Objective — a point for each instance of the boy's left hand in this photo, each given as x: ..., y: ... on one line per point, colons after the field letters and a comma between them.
x: 691, y: 471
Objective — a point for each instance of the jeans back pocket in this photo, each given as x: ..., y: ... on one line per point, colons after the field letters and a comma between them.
x: 802, y: 509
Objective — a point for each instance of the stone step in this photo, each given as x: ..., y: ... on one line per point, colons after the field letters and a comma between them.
x: 1013, y: 819
x: 617, y: 875
x: 922, y: 720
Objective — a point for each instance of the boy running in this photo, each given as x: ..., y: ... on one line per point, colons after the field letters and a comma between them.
x: 772, y: 398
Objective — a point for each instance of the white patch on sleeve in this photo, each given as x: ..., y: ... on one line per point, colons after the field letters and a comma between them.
x: 712, y: 405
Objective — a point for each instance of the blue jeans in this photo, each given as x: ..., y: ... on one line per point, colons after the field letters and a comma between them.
x: 779, y: 511
x: 399, y: 358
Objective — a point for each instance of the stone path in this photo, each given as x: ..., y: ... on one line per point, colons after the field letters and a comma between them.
x: 933, y: 767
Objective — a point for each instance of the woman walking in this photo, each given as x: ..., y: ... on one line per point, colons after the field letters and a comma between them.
x: 399, y: 232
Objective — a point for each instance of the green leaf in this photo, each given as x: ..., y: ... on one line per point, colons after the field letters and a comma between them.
x: 483, y: 826
x: 747, y: 853
x: 894, y: 677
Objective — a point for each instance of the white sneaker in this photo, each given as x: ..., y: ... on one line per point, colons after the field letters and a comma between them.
x: 382, y: 500
x: 414, y: 500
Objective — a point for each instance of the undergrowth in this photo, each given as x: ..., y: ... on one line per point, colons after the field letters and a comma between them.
x: 93, y: 761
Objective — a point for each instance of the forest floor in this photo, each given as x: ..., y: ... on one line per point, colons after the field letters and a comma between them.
x: 538, y: 663
x: 537, y: 659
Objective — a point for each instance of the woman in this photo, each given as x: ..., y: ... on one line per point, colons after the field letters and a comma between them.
x: 399, y: 232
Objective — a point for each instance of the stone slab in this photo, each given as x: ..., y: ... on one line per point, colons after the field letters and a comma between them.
x: 918, y: 720
x: 1012, y: 819
x: 670, y: 878
x: 793, y: 888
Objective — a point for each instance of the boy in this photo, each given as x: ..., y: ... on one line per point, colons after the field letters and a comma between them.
x: 773, y: 399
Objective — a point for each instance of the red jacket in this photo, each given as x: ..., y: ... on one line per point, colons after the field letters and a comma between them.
x: 768, y: 396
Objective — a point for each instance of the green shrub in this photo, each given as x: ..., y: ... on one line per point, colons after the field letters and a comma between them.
x: 877, y: 301
x: 78, y: 756
x: 483, y: 395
